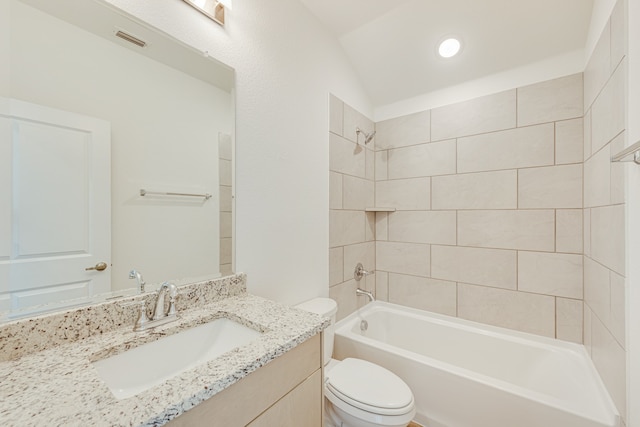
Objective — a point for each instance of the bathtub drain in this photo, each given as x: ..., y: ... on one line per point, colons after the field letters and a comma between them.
x: 364, y: 325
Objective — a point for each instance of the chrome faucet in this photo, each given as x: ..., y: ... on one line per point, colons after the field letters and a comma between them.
x: 159, y: 316
x: 360, y: 272
x: 158, y: 311
x: 135, y: 274
x: 365, y: 293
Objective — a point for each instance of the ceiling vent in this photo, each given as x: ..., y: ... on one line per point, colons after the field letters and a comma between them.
x: 130, y: 38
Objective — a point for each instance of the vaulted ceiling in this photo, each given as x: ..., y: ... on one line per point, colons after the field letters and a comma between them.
x: 392, y: 43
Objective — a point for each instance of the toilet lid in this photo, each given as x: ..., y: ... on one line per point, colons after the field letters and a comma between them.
x: 369, y: 387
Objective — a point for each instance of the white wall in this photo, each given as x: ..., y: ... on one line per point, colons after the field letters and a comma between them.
x: 286, y: 65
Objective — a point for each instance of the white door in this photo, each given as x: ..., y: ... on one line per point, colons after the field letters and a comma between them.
x: 55, y: 205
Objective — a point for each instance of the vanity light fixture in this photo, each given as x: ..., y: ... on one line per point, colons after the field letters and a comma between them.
x: 449, y: 47
x: 214, y: 9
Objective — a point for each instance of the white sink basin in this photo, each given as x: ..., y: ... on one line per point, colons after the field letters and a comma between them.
x: 136, y: 370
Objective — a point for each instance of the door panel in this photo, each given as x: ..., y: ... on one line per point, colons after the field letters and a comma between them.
x: 52, y: 170
x: 55, y: 218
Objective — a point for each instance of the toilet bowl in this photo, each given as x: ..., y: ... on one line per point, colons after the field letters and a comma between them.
x: 359, y: 393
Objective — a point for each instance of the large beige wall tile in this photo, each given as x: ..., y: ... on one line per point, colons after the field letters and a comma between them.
x: 226, y: 198
x: 550, y: 187
x: 354, y: 119
x: 370, y: 164
x: 370, y: 227
x: 569, y: 320
x: 510, y: 309
x: 587, y: 135
x: 597, y: 179
x: 608, y: 111
x: 226, y: 249
x: 587, y: 330
x: 550, y: 274
x: 618, y: 308
x: 491, y: 267
x: 569, y: 141
x: 336, y: 113
x: 358, y: 193
x: 364, y: 253
x: 336, y: 261
x: 382, y: 285
x: 516, y: 148
x: 225, y: 172
x: 608, y: 237
x: 335, y: 190
x: 598, y: 69
x: 405, y: 258
x: 382, y: 226
x: 436, y: 158
x: 437, y: 227
x: 411, y: 129
x: 346, y: 227
x: 569, y: 232
x: 381, y: 165
x: 610, y: 361
x: 597, y: 289
x: 524, y: 229
x: 480, y: 115
x: 550, y: 101
x: 226, y: 224
x: 345, y: 157
x: 404, y: 194
x: 586, y: 228
x: 618, y: 193
x: 486, y: 190
x: 420, y: 292
x: 618, y: 24
x: 345, y: 296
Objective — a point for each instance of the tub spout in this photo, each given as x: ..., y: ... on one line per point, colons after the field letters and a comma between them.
x: 365, y: 293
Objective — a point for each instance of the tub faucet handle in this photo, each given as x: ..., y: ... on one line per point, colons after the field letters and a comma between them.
x: 360, y: 272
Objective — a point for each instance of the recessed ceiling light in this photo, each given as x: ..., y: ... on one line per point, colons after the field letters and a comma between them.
x: 449, y: 47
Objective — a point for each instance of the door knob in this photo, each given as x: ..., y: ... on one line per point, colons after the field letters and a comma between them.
x: 99, y: 266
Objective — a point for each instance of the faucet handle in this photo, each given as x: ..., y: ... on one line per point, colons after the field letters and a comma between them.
x: 173, y: 294
x: 360, y: 272
x: 134, y: 274
x: 142, y: 319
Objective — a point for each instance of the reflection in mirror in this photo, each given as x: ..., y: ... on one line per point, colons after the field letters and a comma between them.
x: 116, y: 149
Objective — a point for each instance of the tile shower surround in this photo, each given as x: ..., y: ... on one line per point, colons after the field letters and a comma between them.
x: 489, y: 218
x: 509, y: 209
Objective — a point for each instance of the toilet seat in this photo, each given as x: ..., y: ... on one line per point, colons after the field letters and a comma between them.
x: 371, y: 388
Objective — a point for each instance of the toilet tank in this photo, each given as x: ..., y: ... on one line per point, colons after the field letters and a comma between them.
x: 325, y: 307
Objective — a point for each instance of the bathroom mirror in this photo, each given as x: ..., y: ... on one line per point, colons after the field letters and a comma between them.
x: 116, y: 143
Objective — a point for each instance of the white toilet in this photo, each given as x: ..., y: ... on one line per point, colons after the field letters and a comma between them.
x: 359, y: 393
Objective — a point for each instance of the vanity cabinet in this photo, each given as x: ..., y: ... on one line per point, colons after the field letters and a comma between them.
x: 287, y: 392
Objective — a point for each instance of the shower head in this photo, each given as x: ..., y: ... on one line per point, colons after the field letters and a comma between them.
x: 367, y: 136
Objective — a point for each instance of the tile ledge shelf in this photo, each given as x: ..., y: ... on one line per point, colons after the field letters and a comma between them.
x: 376, y: 209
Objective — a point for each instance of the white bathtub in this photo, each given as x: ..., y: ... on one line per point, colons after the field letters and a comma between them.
x: 466, y: 374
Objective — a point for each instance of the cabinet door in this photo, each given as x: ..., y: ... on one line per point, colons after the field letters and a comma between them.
x: 302, y: 406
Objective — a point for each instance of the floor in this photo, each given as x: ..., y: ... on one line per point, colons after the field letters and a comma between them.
x: 412, y: 424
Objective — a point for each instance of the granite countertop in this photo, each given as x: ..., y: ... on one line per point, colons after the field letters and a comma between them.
x: 60, y: 387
